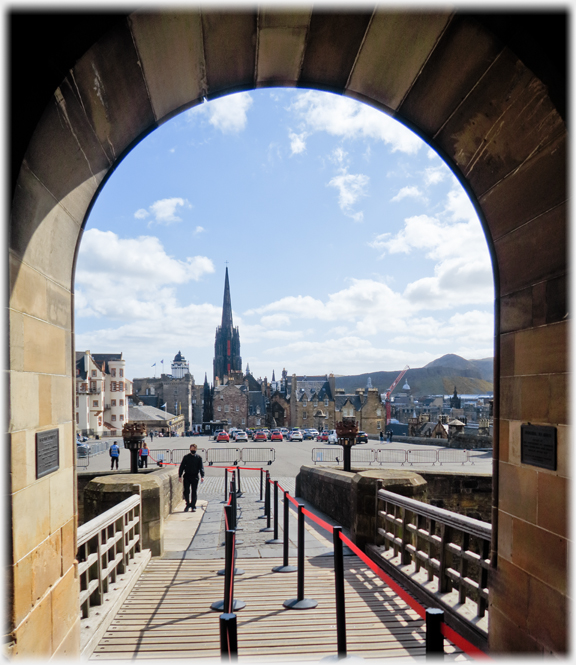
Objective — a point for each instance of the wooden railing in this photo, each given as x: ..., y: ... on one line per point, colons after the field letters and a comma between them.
x: 106, y: 545
x: 452, y: 547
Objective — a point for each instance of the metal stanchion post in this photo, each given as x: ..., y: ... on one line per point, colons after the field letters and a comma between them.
x: 434, y: 637
x: 285, y: 568
x: 228, y: 604
x: 261, y: 500
x: 275, y: 540
x: 300, y: 603
x: 339, y: 584
x: 225, y: 486
x: 239, y: 490
x: 228, y: 520
x: 228, y: 637
x: 267, y: 510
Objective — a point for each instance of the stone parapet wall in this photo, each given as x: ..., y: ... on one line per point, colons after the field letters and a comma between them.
x: 461, y: 441
x: 160, y: 492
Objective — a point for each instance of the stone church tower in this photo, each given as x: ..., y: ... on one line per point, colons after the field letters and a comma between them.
x: 227, y: 345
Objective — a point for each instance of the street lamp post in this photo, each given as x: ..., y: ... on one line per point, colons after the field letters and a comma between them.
x: 346, y: 432
x: 133, y: 435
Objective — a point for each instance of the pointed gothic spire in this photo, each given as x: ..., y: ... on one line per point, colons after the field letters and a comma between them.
x: 227, y: 305
x: 273, y: 377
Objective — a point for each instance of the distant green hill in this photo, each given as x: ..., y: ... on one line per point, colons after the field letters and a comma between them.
x: 437, y: 378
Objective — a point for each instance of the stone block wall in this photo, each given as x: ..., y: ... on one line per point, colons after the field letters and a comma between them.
x: 160, y: 492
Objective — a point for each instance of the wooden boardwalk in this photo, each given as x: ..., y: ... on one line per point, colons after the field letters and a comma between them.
x: 168, y: 614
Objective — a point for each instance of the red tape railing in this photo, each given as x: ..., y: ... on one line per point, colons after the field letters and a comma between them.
x: 448, y: 632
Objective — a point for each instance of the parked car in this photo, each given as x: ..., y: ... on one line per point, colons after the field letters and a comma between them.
x: 315, y: 433
x: 241, y: 436
x: 361, y: 437
x: 323, y: 436
x: 307, y: 435
x: 267, y: 432
x: 81, y: 438
x: 332, y: 436
x: 276, y: 435
x: 260, y: 436
x: 296, y: 435
x: 223, y: 436
x: 285, y: 432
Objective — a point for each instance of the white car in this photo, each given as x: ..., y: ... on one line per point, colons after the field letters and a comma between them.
x: 332, y: 436
x: 296, y: 435
x: 241, y: 436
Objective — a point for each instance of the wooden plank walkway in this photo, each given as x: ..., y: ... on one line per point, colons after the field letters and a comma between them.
x: 168, y: 614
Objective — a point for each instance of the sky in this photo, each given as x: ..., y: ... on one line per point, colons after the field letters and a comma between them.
x: 350, y: 245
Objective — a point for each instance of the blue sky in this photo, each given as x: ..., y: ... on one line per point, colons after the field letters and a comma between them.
x: 351, y: 247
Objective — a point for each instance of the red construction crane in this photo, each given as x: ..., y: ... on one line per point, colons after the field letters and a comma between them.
x: 389, y: 392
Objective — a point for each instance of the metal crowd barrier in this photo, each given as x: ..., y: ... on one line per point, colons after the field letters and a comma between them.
x: 210, y: 456
x: 392, y: 456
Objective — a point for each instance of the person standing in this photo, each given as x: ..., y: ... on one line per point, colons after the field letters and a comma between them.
x: 114, y: 456
x: 381, y: 436
x: 190, y: 466
x: 145, y: 451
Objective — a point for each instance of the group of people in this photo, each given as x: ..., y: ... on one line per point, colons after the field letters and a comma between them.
x: 389, y: 435
x: 143, y: 454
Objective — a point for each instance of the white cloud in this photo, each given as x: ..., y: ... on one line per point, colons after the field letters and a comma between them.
x: 130, y: 278
x: 297, y: 142
x: 227, y: 114
x: 409, y: 192
x: 435, y: 174
x: 163, y: 211
x: 350, y: 188
x: 199, y: 229
x: 344, y: 117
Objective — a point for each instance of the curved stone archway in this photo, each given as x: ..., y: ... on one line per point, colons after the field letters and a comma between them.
x: 443, y: 74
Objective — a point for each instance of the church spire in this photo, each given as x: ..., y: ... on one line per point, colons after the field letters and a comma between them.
x: 227, y: 306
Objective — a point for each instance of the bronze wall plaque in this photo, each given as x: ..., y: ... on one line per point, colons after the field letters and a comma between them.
x: 538, y: 446
x: 47, y: 452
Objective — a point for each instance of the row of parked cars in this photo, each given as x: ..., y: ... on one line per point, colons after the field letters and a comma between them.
x: 282, y: 433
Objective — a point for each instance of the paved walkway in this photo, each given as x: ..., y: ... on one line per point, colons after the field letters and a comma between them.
x: 167, y: 615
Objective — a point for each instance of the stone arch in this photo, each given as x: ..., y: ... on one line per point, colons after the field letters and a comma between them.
x: 448, y: 77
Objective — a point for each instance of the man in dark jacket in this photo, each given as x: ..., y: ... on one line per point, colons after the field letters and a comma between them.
x: 190, y: 466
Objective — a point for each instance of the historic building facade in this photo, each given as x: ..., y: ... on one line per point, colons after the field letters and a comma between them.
x: 102, y: 391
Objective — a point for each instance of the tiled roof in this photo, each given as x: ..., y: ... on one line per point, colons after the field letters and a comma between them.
x: 138, y: 413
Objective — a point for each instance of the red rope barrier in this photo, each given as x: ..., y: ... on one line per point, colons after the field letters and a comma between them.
x: 318, y: 521
x: 462, y: 643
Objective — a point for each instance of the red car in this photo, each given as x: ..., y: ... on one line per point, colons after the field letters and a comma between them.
x: 260, y: 436
x: 276, y: 436
x: 323, y: 436
x: 223, y: 436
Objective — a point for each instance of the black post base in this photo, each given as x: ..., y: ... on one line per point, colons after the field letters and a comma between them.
x: 274, y: 541
x: 236, y: 605
x: 284, y: 569
x: 237, y: 571
x: 304, y: 604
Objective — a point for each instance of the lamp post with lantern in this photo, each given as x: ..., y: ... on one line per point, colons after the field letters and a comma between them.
x: 346, y: 432
x: 133, y: 435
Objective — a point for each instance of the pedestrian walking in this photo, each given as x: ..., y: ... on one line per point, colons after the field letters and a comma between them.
x: 114, y: 455
x: 381, y: 436
x: 151, y: 436
x: 190, y: 466
x: 145, y: 451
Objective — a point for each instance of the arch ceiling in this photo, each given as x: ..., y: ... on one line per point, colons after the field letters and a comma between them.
x: 487, y: 91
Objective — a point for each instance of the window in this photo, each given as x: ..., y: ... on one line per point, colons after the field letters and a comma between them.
x: 77, y: 419
x: 304, y: 416
x: 315, y: 404
x: 243, y: 421
x: 113, y: 372
x: 304, y: 403
x: 94, y: 402
x: 237, y: 408
x: 121, y: 402
x: 121, y: 373
x: 121, y: 417
x: 113, y: 402
x: 77, y: 402
x: 93, y: 385
x: 219, y: 408
x: 257, y: 421
x: 226, y: 409
x: 93, y: 372
x: 113, y: 386
x: 378, y: 425
x: 121, y: 385
x: 113, y: 419
x: 325, y: 402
